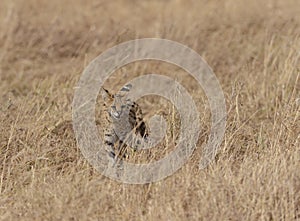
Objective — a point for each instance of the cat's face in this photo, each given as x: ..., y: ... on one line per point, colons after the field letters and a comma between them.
x: 117, y: 105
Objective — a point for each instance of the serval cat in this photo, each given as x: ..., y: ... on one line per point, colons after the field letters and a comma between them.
x: 121, y: 116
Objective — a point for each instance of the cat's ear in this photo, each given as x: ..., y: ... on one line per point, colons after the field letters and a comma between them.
x: 106, y: 96
x: 124, y: 90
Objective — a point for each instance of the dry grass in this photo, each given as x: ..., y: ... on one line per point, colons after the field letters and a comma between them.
x: 253, y: 47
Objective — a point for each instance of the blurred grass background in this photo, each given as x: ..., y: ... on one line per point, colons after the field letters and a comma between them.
x: 253, y: 48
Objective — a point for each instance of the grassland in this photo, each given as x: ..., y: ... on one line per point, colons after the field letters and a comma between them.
x: 253, y: 48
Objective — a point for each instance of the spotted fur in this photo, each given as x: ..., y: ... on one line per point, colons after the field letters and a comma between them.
x: 119, y: 110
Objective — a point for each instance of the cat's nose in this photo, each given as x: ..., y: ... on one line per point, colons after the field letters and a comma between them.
x: 117, y: 114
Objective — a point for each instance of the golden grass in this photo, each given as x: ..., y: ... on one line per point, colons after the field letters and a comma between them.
x: 253, y: 48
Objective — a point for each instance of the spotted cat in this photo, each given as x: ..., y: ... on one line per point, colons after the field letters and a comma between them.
x: 122, y: 116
